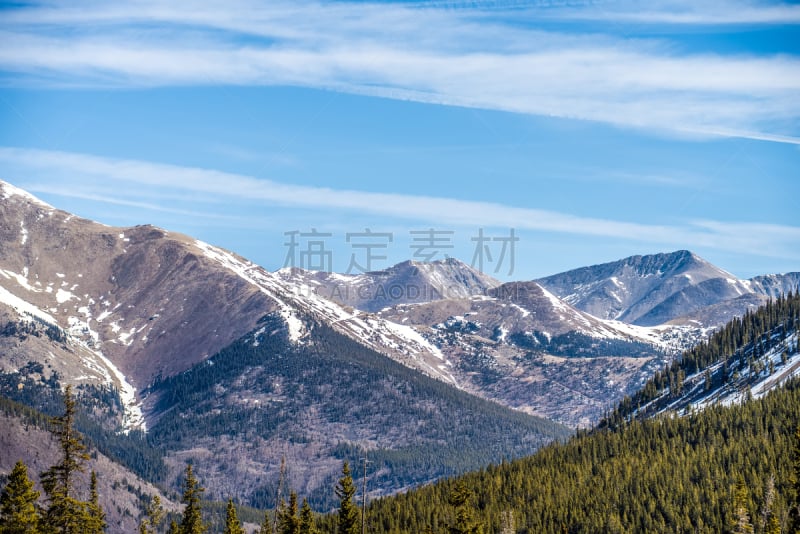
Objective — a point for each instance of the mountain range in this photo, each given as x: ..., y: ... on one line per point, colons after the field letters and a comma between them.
x: 432, y: 368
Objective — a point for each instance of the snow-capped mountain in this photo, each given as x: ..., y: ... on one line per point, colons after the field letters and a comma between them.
x: 405, y: 283
x: 139, y: 303
x: 659, y: 288
x: 773, y: 285
x: 222, y: 361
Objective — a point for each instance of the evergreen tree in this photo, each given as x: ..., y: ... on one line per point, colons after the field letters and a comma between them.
x: 153, y: 516
x: 465, y: 523
x: 266, y: 525
x: 773, y: 525
x: 794, y: 515
x: 97, y: 517
x: 288, y: 522
x: 741, y: 517
x: 192, y: 522
x: 348, y: 511
x: 232, y: 524
x: 65, y: 513
x: 174, y: 528
x: 18, y: 513
x: 307, y: 519
x: 767, y: 509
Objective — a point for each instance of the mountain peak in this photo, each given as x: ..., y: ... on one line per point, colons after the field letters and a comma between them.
x: 646, y: 290
x: 406, y: 282
x: 9, y: 191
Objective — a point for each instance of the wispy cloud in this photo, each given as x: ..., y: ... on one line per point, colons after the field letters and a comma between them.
x: 137, y: 183
x: 672, y: 12
x: 461, y: 57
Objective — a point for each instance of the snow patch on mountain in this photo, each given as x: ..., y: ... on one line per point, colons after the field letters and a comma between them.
x: 63, y: 296
x: 23, y: 233
x: 21, y: 279
x: 80, y: 331
x: 24, y: 307
x: 294, y: 324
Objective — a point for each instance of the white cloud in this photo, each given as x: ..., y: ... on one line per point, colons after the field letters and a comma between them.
x: 680, y: 12
x: 139, y: 183
x: 462, y: 57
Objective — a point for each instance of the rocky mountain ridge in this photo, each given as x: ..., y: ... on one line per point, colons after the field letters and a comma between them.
x: 678, y: 287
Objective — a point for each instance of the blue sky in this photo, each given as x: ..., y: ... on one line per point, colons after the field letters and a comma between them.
x: 594, y: 130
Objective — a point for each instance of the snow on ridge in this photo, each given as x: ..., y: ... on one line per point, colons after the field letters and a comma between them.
x: 10, y: 190
x: 727, y: 396
x: 522, y: 310
x: 79, y: 330
x: 289, y: 297
x: 554, y: 300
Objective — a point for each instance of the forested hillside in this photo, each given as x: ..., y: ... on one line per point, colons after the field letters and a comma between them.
x: 744, y: 352
x: 695, y: 474
x: 733, y: 468
x: 322, y: 402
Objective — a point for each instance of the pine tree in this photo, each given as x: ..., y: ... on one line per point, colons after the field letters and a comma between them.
x: 154, y: 516
x: 65, y: 513
x: 232, y: 524
x: 288, y: 522
x: 266, y: 525
x: 767, y: 511
x: 794, y: 513
x: 773, y: 525
x: 18, y: 513
x: 465, y: 522
x: 307, y: 519
x: 97, y: 517
x: 174, y: 528
x: 192, y: 522
x: 348, y: 512
x: 741, y: 517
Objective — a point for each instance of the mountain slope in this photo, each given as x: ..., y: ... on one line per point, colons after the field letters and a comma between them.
x: 149, y: 303
x: 700, y: 473
x: 121, y: 492
x: 746, y: 358
x: 728, y: 461
x: 318, y: 403
x: 659, y: 288
x: 269, y: 367
x: 520, y: 345
x: 775, y: 285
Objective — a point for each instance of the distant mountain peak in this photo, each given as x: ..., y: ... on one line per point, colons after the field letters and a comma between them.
x: 410, y: 281
x: 647, y: 290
